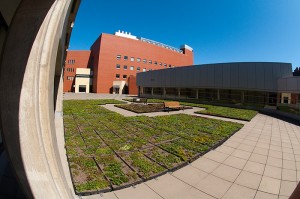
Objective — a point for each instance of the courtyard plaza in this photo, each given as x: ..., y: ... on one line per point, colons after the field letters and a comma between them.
x: 261, y: 160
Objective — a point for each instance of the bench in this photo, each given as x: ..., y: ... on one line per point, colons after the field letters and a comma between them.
x: 172, y: 106
x: 139, y: 100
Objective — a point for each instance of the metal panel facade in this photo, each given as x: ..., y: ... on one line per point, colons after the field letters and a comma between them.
x: 258, y: 76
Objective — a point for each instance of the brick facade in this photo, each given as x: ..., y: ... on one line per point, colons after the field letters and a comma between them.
x: 131, y: 55
x: 75, y: 59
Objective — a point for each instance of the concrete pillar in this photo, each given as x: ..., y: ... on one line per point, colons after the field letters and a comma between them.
x: 179, y: 92
x: 164, y: 92
x: 151, y: 91
x: 218, y: 94
x: 197, y: 94
x: 139, y: 91
x: 243, y: 96
x: 34, y: 46
x: 279, y: 100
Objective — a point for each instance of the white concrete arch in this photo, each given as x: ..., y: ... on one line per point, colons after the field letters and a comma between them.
x: 31, y: 67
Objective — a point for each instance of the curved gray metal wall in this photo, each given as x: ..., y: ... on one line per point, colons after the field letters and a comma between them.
x: 258, y: 76
x: 289, y: 84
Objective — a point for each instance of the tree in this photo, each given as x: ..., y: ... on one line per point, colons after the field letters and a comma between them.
x: 296, y: 72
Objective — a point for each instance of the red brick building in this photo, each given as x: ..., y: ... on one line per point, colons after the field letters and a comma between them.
x: 115, y: 60
x: 75, y: 59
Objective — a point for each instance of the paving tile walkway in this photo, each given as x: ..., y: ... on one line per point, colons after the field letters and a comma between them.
x: 260, y: 161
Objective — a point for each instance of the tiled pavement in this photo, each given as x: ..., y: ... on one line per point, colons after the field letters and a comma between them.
x: 262, y: 160
x: 84, y: 96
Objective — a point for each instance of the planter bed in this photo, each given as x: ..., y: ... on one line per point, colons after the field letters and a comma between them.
x: 145, y: 108
x: 107, y: 151
x: 86, y: 176
x: 142, y: 165
x: 116, y: 171
x: 164, y: 158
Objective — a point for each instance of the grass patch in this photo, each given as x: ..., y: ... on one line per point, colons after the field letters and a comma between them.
x: 234, y: 113
x: 106, y: 149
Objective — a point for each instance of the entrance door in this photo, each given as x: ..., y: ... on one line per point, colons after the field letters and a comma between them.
x: 82, y: 88
x: 117, y: 90
x: 273, y: 99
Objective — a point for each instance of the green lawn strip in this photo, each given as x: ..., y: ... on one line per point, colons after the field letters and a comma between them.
x: 86, y: 106
x: 234, y: 113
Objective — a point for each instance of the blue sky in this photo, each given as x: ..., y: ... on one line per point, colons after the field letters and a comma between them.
x: 218, y: 30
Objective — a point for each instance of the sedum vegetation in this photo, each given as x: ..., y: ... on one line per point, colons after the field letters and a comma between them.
x: 107, y: 150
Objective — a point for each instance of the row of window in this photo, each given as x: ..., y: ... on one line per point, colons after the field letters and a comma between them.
x: 71, y: 61
x: 118, y: 76
x: 71, y: 78
x: 118, y: 66
x: 70, y: 69
x: 119, y: 57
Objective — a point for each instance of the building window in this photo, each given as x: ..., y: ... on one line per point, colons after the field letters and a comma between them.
x: 125, y: 67
x: 149, y: 69
x: 150, y: 61
x: 124, y: 76
x: 125, y: 57
x: 71, y: 61
x: 118, y: 66
x: 144, y: 61
x: 160, y: 63
x: 131, y: 67
x: 132, y: 59
x: 70, y: 78
x: 170, y: 65
x: 118, y: 76
x: 138, y: 59
x: 155, y: 63
x: 165, y: 65
x: 138, y: 68
x: 144, y: 69
x: 118, y: 57
x: 82, y: 88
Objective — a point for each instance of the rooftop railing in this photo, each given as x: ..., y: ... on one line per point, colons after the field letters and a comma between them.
x: 160, y: 44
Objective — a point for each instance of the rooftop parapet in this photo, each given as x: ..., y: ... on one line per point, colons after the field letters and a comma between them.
x: 130, y: 36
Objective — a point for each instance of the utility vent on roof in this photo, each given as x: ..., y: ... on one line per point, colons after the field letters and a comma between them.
x: 125, y: 34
